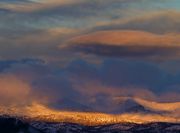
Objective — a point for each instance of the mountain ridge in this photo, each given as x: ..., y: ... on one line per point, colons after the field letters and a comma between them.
x: 10, y: 124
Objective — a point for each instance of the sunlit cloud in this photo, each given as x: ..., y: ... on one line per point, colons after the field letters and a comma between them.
x: 126, y: 43
x: 39, y: 112
x: 169, y: 107
x: 18, y: 93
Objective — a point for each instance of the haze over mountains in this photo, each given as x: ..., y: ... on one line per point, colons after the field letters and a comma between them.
x: 133, y: 110
x: 17, y: 125
x: 132, y: 115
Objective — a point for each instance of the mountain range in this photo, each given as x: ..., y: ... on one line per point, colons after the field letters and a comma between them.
x: 130, y: 115
x: 17, y: 125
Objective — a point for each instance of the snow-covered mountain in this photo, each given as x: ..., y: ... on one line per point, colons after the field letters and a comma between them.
x: 131, y: 115
x: 114, y: 128
x: 17, y: 125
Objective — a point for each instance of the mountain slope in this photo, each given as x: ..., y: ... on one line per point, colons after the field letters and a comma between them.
x: 131, y: 106
x: 18, y: 125
x: 15, y: 125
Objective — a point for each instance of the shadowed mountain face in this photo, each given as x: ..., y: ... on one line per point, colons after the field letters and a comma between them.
x: 17, y: 125
x: 119, y: 106
x: 131, y: 106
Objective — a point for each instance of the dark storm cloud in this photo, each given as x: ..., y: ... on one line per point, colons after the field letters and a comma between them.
x: 123, y: 78
x: 122, y: 73
x: 80, y: 82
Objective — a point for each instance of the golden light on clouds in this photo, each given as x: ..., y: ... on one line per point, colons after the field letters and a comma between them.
x: 126, y: 44
x: 43, y: 113
x: 17, y: 92
x: 128, y: 38
x: 13, y: 91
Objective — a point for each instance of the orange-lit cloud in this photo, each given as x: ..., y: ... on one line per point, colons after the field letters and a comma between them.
x: 17, y: 92
x: 159, y: 106
x: 153, y: 105
x: 17, y: 97
x: 43, y: 113
x: 13, y: 90
x: 127, y: 43
x: 128, y: 38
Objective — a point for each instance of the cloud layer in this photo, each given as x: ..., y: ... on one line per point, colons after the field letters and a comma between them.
x: 134, y: 44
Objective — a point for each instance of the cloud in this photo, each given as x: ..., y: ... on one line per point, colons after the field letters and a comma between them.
x: 156, y: 22
x: 84, y: 86
x: 114, y: 76
x: 32, y: 81
x: 39, y: 5
x: 45, y: 80
x: 35, y: 43
x: 105, y: 98
x: 14, y: 91
x: 51, y: 13
x: 40, y: 112
x: 159, y: 106
x: 18, y: 98
x: 126, y: 43
x: 34, y: 33
x: 31, y: 6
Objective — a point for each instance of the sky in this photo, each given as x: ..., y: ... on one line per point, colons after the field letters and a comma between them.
x: 83, y: 54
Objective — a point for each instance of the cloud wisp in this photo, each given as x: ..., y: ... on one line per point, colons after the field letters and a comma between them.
x: 33, y: 6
